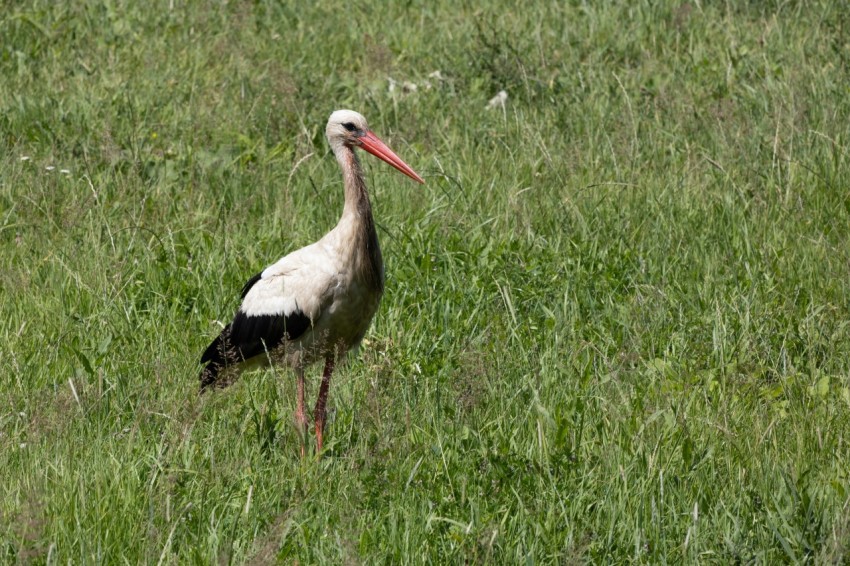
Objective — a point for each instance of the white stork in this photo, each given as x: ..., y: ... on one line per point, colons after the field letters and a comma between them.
x: 316, y: 302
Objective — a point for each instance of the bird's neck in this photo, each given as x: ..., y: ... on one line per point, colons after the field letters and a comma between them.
x: 356, y: 196
x: 356, y: 227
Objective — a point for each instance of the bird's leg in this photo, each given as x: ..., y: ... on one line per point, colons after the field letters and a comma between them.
x: 319, y: 414
x: 300, y: 417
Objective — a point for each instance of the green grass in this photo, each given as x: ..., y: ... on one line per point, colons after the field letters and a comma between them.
x: 617, y: 318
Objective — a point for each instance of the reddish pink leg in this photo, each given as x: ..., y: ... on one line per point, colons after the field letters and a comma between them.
x: 320, y: 413
x: 300, y: 417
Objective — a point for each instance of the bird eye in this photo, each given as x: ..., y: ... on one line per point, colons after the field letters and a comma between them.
x: 349, y: 126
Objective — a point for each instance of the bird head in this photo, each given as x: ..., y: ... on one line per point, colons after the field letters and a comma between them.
x: 347, y: 128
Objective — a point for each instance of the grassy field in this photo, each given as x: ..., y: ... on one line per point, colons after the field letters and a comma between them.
x: 617, y: 318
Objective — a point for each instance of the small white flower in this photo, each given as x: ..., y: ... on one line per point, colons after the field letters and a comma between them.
x: 499, y: 100
x: 50, y: 168
x: 65, y: 171
x: 25, y: 158
x: 406, y: 87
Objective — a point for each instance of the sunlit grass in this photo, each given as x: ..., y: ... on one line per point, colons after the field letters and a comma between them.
x: 616, y: 318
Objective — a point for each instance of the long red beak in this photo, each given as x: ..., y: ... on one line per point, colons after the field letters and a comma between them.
x: 370, y: 142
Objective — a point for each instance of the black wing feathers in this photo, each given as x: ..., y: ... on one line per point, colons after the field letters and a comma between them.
x: 253, y: 335
x: 218, y: 355
x: 249, y: 336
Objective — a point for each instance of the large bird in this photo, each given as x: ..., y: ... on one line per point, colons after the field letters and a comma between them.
x: 317, y: 302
